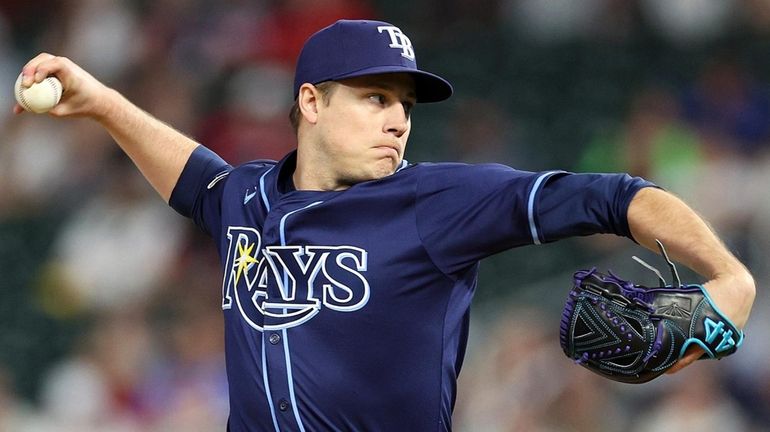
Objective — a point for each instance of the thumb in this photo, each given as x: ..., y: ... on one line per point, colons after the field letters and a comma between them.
x: 692, y: 354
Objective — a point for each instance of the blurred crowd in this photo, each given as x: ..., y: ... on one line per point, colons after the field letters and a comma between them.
x: 109, y: 301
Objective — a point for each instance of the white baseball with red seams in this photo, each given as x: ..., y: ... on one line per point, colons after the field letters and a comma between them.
x: 39, y: 97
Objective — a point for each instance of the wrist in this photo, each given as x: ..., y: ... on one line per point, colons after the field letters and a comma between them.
x: 106, y: 110
x: 733, y: 292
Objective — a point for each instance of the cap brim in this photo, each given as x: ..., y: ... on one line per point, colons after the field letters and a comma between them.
x: 428, y: 87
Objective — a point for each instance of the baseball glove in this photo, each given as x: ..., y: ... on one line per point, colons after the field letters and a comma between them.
x: 632, y: 333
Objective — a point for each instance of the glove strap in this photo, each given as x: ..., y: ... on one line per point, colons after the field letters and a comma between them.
x: 720, y: 336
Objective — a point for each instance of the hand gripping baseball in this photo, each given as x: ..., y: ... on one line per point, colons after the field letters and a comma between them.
x: 633, y: 334
x: 82, y: 94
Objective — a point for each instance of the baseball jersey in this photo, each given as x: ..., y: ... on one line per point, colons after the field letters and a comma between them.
x: 349, y: 310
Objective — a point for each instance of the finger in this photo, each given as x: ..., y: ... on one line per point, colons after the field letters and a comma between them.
x: 691, y: 356
x: 60, y: 110
x: 37, y: 69
x: 17, y: 109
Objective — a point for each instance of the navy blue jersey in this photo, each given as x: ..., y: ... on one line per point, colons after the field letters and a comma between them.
x: 348, y: 310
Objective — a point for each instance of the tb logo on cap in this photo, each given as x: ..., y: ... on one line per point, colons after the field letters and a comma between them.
x: 399, y: 40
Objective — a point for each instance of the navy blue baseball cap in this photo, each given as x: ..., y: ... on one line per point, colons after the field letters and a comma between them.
x: 351, y: 48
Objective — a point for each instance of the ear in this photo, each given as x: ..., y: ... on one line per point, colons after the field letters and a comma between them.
x: 308, y: 99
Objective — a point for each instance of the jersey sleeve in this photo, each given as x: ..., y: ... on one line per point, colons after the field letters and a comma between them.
x: 468, y: 212
x: 198, y: 192
x: 572, y: 205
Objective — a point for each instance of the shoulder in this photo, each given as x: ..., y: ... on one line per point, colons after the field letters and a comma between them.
x: 257, y: 164
x: 455, y: 169
x: 248, y: 174
x: 457, y: 173
x: 250, y: 169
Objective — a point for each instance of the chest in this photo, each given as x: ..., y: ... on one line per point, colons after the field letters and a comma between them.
x: 288, y: 261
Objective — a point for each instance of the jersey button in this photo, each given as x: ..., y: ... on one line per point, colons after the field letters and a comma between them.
x: 274, y: 338
x: 283, y: 405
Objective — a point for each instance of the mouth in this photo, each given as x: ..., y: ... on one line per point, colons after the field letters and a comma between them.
x: 393, y: 150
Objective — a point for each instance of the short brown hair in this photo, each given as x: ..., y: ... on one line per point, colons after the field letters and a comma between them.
x: 294, y: 115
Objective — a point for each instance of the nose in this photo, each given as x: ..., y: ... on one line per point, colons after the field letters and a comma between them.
x: 397, y: 121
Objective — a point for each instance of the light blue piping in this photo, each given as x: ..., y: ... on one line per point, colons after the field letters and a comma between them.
x: 531, y: 205
x: 285, y: 334
x: 267, y: 386
x: 262, y: 188
x: 264, y: 359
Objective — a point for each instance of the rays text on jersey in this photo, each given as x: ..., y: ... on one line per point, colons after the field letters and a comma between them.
x: 276, y: 287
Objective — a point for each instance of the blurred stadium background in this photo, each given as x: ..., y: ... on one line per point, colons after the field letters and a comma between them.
x: 109, y: 301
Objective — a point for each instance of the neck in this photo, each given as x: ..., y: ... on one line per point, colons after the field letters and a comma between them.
x: 302, y: 181
x: 312, y: 173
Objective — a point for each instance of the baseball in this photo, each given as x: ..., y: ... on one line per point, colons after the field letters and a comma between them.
x: 39, y: 97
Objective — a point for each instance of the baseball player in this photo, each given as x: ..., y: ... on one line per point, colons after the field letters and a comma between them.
x: 348, y: 272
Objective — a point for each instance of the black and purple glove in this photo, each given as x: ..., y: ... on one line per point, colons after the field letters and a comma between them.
x: 633, y: 334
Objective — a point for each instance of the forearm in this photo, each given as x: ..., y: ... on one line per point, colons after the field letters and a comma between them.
x: 655, y: 214
x: 159, y: 151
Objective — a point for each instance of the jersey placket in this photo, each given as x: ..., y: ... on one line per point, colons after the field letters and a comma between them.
x: 275, y: 338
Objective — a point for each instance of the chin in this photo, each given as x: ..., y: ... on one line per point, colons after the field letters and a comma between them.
x: 385, y: 171
x: 377, y: 171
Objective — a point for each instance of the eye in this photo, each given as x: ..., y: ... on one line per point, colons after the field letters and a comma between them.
x: 377, y: 98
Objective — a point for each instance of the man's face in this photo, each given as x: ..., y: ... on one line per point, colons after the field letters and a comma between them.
x: 363, y: 126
